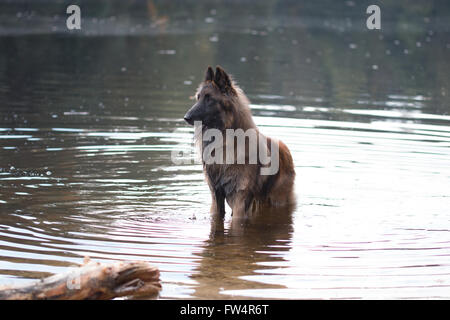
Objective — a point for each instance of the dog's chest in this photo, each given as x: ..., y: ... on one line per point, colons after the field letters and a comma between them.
x: 222, y: 177
x: 231, y: 178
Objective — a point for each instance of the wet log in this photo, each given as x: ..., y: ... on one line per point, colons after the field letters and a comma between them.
x: 92, y: 280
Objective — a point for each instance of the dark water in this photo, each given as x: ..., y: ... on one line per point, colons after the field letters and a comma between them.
x: 89, y: 120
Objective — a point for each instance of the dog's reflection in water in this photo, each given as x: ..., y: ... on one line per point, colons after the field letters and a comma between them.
x: 261, y: 221
x: 235, y: 249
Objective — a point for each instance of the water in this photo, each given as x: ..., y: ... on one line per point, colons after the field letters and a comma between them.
x: 88, y: 122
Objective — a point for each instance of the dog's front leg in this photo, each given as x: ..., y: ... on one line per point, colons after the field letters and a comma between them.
x: 218, y: 203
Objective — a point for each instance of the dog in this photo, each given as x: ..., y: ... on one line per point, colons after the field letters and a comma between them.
x: 222, y: 107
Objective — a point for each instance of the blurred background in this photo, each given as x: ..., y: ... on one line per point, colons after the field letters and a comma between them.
x: 89, y: 119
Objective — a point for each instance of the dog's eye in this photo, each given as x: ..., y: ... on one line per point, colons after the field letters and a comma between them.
x: 198, y: 97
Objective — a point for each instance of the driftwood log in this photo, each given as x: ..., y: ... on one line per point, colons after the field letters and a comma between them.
x: 92, y: 280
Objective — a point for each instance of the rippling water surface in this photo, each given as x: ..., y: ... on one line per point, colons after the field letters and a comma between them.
x: 89, y: 121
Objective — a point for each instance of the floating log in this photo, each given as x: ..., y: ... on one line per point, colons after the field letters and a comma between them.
x: 92, y: 280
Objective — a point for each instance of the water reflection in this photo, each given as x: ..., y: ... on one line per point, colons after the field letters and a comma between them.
x: 236, y: 251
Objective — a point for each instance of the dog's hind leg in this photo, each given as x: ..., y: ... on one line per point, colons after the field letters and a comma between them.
x: 242, y: 204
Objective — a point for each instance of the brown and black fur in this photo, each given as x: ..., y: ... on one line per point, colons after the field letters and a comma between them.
x: 222, y: 105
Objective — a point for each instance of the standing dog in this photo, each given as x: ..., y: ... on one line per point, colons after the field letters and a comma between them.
x: 222, y: 106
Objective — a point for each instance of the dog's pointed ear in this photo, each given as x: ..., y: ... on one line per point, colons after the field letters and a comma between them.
x: 209, y: 74
x: 223, y: 80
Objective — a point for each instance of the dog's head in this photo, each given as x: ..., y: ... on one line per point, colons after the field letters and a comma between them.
x: 215, y: 96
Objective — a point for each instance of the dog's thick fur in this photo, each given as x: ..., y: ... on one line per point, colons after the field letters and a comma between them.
x: 222, y: 105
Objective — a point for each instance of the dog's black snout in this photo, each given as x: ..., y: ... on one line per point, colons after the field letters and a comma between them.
x: 188, y: 119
